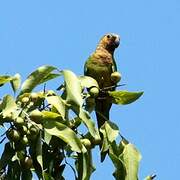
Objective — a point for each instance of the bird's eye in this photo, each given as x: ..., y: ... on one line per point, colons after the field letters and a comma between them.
x: 108, y: 36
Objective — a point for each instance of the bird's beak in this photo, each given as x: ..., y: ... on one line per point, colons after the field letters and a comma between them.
x: 117, y: 41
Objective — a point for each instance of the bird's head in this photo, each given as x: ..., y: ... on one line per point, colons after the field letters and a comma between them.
x: 110, y: 42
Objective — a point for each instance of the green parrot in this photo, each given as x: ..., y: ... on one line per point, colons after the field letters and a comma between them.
x: 100, y: 66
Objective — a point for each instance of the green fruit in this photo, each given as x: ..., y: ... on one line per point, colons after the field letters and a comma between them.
x: 32, y: 132
x: 86, y: 143
x: 94, y: 92
x: 116, y: 77
x: 13, y: 135
x: 36, y: 116
x: 34, y: 96
x: 25, y: 100
x: 24, y: 141
x: 19, y: 121
x: 27, y: 162
x: 23, y: 129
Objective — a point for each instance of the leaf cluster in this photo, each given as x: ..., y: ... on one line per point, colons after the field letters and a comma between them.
x: 42, y: 129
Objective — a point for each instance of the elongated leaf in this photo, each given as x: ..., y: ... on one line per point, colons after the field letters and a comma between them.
x: 73, y: 88
x: 114, y: 153
x: 86, y: 119
x: 5, y: 79
x: 8, y: 153
x: 65, y: 133
x: 52, y: 116
x: 131, y: 158
x: 120, y: 171
x: 58, y: 104
x: 84, y: 165
x: 39, y: 151
x: 50, y: 76
x: 16, y: 82
x: 37, y: 77
x: 87, y: 81
x: 124, y: 97
x: 110, y: 132
x: 8, y: 105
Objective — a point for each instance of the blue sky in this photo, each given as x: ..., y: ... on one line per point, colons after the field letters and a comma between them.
x: 65, y: 33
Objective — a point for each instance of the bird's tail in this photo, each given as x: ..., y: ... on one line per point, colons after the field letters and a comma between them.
x: 102, y: 108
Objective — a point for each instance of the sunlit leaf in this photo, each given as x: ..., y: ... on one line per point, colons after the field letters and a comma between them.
x: 16, y: 82
x: 124, y: 97
x: 8, y: 105
x: 52, y: 116
x: 37, y: 77
x: 58, y: 103
x: 110, y: 132
x: 86, y: 119
x: 120, y: 171
x: 131, y: 157
x: 5, y: 79
x: 87, y: 81
x: 65, y: 133
x: 73, y: 88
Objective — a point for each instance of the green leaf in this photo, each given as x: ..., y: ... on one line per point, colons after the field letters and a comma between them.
x: 84, y: 165
x: 50, y: 76
x: 120, y: 171
x: 16, y: 82
x: 8, y: 105
x: 26, y: 174
x: 110, y: 132
x: 73, y: 88
x: 5, y: 79
x: 87, y: 81
x: 65, y: 133
x: 86, y: 119
x: 37, y: 77
x: 58, y: 103
x: 39, y: 151
x: 130, y: 157
x: 124, y: 97
x: 52, y: 116
x: 8, y: 153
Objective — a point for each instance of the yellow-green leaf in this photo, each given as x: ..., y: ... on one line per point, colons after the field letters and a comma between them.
x: 73, y: 88
x: 40, y: 75
x: 58, y: 103
x: 16, y: 82
x: 131, y: 157
x: 5, y: 79
x: 87, y: 81
x: 124, y: 97
x: 65, y: 133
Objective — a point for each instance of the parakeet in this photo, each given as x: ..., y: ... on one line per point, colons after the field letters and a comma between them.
x: 100, y: 65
